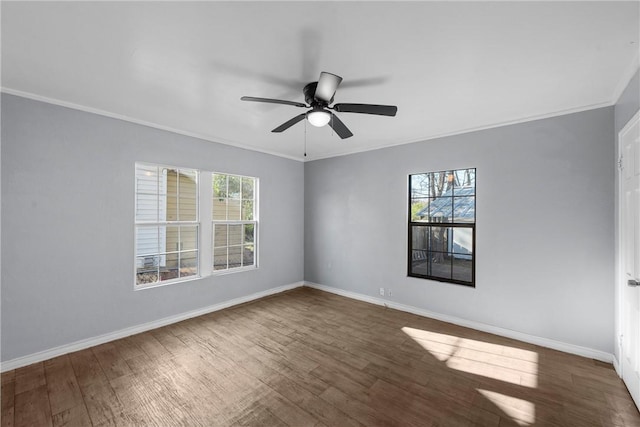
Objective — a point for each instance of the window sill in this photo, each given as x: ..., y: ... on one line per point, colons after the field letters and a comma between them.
x: 442, y: 280
x: 166, y: 283
x: 233, y: 270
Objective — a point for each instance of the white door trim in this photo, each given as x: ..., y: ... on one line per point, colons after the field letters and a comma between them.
x: 618, y: 256
x: 619, y: 273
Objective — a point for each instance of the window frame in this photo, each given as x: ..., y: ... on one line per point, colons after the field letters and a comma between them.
x: 254, y: 222
x: 450, y: 225
x: 166, y: 224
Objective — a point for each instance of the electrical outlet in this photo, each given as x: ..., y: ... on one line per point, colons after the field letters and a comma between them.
x: 389, y: 293
x: 381, y: 292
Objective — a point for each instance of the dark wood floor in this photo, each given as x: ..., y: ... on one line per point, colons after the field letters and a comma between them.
x: 309, y: 358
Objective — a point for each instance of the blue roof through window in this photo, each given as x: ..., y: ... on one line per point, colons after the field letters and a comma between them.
x: 464, y: 206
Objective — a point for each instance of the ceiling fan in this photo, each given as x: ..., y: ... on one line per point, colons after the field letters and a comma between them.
x: 318, y: 96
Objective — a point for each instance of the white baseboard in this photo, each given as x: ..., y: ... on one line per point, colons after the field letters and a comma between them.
x: 616, y: 366
x: 531, y: 339
x: 111, y: 336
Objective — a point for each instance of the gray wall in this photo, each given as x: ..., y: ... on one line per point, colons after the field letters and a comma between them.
x: 628, y: 104
x: 626, y: 107
x: 545, y: 229
x: 67, y: 225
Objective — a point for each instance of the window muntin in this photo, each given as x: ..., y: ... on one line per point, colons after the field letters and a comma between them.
x: 234, y: 207
x: 442, y: 226
x: 166, y: 222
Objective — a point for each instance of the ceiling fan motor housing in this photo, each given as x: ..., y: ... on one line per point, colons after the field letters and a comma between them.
x: 310, y: 95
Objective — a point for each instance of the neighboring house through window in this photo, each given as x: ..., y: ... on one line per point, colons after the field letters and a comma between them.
x: 442, y: 226
x: 234, y: 222
x: 177, y: 238
x: 166, y: 218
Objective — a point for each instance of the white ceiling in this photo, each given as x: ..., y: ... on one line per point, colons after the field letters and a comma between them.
x: 450, y: 67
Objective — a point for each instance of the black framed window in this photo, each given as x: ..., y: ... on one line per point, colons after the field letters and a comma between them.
x: 442, y: 226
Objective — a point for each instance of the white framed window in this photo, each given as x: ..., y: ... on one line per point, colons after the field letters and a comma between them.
x: 234, y: 222
x: 442, y: 226
x: 166, y: 224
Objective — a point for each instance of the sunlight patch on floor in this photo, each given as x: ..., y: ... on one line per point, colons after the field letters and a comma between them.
x: 521, y: 411
x: 500, y: 362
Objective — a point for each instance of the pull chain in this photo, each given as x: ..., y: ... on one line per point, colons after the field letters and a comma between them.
x: 305, y: 138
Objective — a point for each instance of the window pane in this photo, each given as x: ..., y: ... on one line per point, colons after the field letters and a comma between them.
x: 188, y: 264
x: 440, y: 209
x: 172, y: 194
x: 235, y: 256
x: 449, y: 183
x: 188, y: 237
x: 147, y: 208
x: 436, y: 184
x: 465, y: 182
x: 233, y: 210
x: 439, y: 239
x: 462, y: 268
x: 234, y: 187
x: 173, y: 239
x: 463, y: 240
x: 169, y: 270
x: 439, y: 264
x: 419, y: 210
x: 235, y: 235
x: 464, y: 209
x: 187, y: 196
x: 247, y: 255
x: 419, y: 262
x: 162, y: 208
x: 247, y: 210
x: 420, y: 237
x: 220, y: 235
x: 219, y: 209
x: 248, y: 233
x: 147, y: 270
x: 146, y: 179
x: 220, y: 258
x: 147, y: 241
x: 247, y: 188
x: 420, y: 185
x: 219, y: 185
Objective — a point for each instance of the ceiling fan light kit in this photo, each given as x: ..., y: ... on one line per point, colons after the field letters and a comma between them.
x: 318, y: 117
x: 318, y: 96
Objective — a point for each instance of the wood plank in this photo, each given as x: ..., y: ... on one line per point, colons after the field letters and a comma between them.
x: 30, y: 377
x: 127, y: 348
x: 86, y: 367
x: 62, y: 386
x: 32, y: 407
x: 7, y: 395
x: 101, y: 401
x: 76, y: 416
x: 113, y: 364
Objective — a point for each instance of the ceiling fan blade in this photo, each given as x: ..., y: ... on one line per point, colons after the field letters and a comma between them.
x: 287, y: 125
x: 380, y: 110
x: 339, y: 127
x: 327, y: 85
x: 273, y: 101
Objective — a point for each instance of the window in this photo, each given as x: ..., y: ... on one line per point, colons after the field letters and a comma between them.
x: 442, y: 216
x: 234, y: 221
x: 166, y: 223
